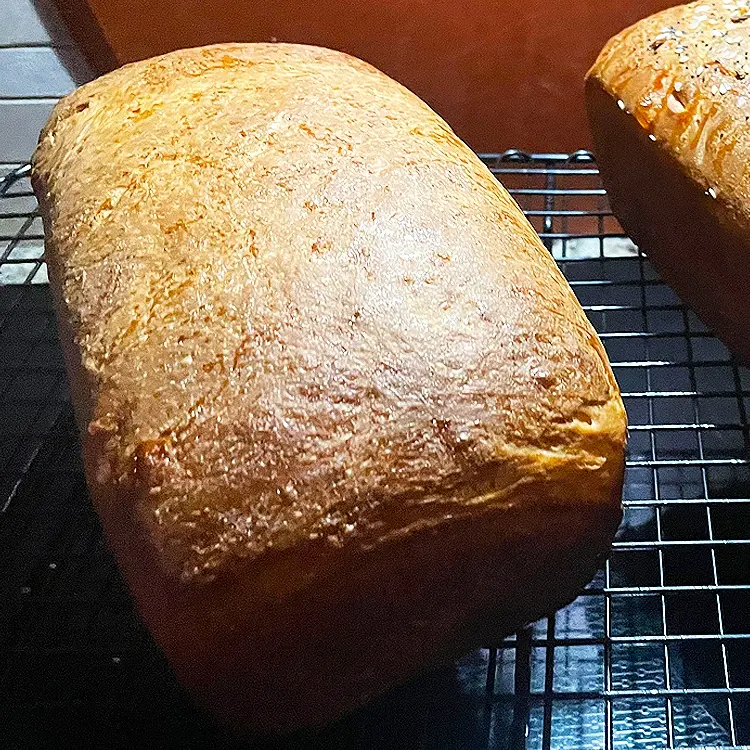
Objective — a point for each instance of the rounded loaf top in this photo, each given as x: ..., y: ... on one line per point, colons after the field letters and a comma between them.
x: 684, y: 74
x: 306, y: 312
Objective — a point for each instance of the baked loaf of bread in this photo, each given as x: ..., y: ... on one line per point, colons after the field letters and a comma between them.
x: 669, y: 102
x: 343, y: 419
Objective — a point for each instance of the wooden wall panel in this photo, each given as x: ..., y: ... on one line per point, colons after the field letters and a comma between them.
x: 502, y: 73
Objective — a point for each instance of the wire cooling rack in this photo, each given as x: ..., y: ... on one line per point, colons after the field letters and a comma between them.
x: 654, y: 653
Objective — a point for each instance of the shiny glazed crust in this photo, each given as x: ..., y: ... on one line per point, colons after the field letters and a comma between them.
x: 668, y: 100
x: 343, y: 418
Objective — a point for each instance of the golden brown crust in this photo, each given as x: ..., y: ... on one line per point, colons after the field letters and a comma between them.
x: 683, y: 74
x: 676, y: 164
x: 318, y: 337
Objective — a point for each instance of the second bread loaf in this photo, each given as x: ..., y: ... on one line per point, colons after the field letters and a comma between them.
x: 669, y: 104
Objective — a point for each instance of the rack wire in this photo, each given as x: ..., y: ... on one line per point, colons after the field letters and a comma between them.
x: 654, y: 653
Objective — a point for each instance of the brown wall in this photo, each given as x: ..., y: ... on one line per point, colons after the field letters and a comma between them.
x: 502, y: 73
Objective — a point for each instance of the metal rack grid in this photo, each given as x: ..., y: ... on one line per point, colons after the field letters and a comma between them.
x: 654, y: 653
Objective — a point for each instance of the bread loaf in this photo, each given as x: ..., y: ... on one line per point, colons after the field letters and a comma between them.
x: 343, y: 419
x: 669, y: 102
